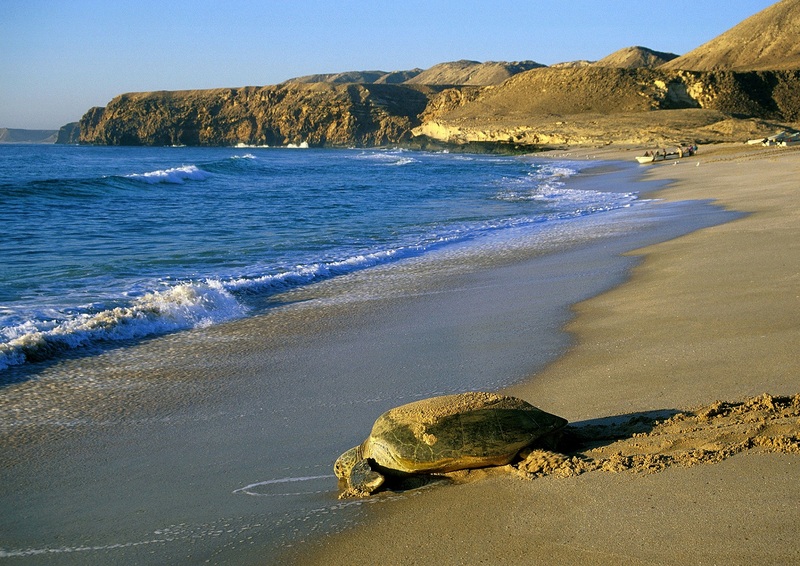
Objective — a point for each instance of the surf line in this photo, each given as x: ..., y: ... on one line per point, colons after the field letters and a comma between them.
x: 247, y: 490
x: 66, y: 549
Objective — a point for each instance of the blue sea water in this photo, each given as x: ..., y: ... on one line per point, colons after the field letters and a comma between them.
x: 102, y: 244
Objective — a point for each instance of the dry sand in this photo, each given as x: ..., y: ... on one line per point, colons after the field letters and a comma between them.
x: 713, y: 315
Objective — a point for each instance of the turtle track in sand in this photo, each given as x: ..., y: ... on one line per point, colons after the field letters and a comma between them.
x: 648, y: 444
x: 651, y: 442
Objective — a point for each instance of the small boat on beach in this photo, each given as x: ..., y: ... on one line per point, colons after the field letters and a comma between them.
x: 783, y: 139
x: 663, y: 154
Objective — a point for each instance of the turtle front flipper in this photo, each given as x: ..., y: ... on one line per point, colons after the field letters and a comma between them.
x: 363, y: 480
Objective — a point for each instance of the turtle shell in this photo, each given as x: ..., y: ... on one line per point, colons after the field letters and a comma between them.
x: 454, y: 432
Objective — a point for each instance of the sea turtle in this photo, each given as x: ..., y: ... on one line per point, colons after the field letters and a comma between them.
x: 444, y: 434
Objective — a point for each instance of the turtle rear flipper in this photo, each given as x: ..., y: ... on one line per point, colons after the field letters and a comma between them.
x: 363, y: 480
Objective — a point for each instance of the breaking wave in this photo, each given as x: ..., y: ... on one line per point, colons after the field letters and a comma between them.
x: 175, y: 175
x: 177, y: 308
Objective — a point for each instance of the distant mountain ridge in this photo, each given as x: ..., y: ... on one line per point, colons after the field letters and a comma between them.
x: 463, y: 72
x: 472, y: 73
x: 466, y: 72
x: 359, y: 77
x: 476, y: 73
x: 17, y: 135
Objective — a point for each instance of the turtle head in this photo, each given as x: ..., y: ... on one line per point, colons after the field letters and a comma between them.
x: 363, y: 480
x: 357, y: 471
x: 344, y: 463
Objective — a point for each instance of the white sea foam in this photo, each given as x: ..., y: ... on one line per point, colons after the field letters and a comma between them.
x: 404, y: 161
x: 189, y: 305
x: 544, y: 177
x: 304, y: 274
x: 176, y: 175
x: 388, y: 157
x: 543, y: 183
x: 279, y: 486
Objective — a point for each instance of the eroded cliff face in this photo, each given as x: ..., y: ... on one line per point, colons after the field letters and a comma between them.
x: 540, y: 107
x: 319, y: 114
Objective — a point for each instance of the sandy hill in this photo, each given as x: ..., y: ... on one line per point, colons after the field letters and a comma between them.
x: 472, y: 73
x: 634, y: 58
x: 769, y: 40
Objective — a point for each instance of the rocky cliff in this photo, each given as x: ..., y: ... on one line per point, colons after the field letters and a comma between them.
x: 319, y: 114
x: 69, y: 133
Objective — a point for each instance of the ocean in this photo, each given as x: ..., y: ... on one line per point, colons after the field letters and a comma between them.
x: 189, y: 337
x: 110, y: 244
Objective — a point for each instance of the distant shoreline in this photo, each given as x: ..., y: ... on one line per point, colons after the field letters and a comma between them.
x: 23, y: 136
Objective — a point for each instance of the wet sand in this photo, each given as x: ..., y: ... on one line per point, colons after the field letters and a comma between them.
x: 712, y: 315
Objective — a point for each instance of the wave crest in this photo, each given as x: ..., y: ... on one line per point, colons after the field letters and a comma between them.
x: 175, y: 175
x: 189, y: 305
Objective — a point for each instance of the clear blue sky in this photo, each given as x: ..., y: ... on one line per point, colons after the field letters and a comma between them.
x: 58, y: 58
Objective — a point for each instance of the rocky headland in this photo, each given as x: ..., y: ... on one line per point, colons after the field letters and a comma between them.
x: 743, y: 84
x: 320, y: 114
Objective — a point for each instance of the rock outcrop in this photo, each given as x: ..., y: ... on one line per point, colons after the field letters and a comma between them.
x: 69, y: 133
x: 319, y: 114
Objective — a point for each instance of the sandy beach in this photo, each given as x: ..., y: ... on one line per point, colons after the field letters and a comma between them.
x: 710, y: 316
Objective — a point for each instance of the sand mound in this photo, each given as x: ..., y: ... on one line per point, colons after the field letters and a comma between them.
x: 647, y: 444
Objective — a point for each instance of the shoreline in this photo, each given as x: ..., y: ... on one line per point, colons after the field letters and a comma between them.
x: 705, y: 316
x: 225, y: 436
